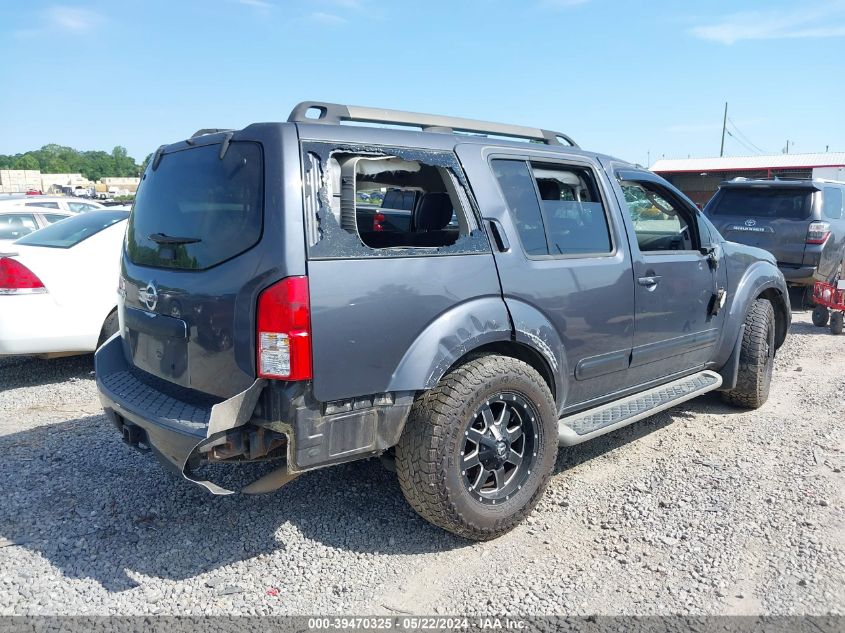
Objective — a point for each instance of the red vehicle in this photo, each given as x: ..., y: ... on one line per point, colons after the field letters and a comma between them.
x: 33, y: 192
x: 830, y: 305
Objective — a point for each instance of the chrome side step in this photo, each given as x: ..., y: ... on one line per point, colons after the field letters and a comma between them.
x: 586, y: 425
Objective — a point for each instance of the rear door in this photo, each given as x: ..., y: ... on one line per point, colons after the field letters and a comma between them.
x: 773, y: 217
x: 376, y: 290
x: 207, y: 233
x: 566, y: 258
x: 675, y: 283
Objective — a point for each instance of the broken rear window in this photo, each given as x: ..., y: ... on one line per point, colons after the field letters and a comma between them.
x: 368, y: 201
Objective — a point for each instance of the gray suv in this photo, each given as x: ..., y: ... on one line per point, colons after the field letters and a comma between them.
x: 801, y: 222
x: 516, y: 294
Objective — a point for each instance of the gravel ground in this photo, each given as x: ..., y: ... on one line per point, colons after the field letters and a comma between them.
x: 699, y: 510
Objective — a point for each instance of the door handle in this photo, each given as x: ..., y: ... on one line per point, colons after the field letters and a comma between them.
x: 650, y: 281
x: 499, y: 236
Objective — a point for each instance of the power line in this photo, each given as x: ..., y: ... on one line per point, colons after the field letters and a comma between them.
x: 745, y: 137
x: 739, y: 140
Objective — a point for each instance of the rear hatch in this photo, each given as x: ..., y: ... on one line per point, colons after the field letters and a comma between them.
x: 772, y: 216
x: 198, y: 251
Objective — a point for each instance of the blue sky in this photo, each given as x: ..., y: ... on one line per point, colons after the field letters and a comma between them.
x: 633, y: 79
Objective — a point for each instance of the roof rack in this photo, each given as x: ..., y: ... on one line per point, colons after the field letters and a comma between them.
x: 334, y: 113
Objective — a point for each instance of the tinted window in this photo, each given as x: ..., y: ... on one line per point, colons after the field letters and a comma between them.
x: 15, y: 225
x: 53, y: 217
x: 43, y: 205
x: 517, y: 185
x: 81, y: 206
x: 573, y: 214
x: 832, y: 205
x: 201, y: 209
x: 768, y: 202
x: 658, y: 224
x: 71, y: 231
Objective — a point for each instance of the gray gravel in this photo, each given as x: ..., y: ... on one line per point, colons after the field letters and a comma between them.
x: 699, y: 510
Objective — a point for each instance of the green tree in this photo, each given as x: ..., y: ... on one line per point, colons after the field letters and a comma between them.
x: 60, y: 159
x: 27, y: 161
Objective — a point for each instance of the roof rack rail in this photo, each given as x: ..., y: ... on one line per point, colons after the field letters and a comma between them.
x: 209, y: 130
x: 334, y: 113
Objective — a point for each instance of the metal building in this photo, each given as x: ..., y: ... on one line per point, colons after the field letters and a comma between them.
x: 700, y: 177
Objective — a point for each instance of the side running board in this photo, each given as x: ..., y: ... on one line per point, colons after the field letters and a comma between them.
x: 586, y: 425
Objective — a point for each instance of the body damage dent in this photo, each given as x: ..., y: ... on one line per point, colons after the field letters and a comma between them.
x: 532, y: 329
x: 447, y: 339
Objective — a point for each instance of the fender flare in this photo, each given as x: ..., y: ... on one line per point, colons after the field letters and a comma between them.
x: 448, y: 338
x: 757, y: 279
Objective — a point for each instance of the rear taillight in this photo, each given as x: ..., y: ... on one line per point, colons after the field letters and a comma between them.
x: 284, y: 330
x: 818, y: 232
x: 17, y: 279
x: 378, y: 221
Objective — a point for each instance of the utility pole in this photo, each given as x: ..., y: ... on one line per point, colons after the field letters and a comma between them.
x: 724, y: 127
x: 787, y: 146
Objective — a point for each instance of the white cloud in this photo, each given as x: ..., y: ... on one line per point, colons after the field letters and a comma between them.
x: 64, y: 19
x: 72, y: 18
x: 561, y: 4
x: 327, y: 18
x: 258, y: 4
x: 353, y: 5
x: 821, y: 22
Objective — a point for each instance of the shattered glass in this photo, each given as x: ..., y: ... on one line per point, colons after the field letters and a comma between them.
x: 327, y: 239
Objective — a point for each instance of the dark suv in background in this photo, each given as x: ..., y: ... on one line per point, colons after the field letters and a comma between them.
x: 801, y: 222
x: 507, y: 296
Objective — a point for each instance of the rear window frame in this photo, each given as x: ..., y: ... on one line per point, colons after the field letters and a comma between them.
x: 196, y: 145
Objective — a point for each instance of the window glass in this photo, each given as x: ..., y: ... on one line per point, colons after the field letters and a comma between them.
x: 43, y: 205
x: 78, y: 207
x: 573, y: 214
x: 763, y: 202
x: 53, y: 217
x: 74, y: 229
x: 659, y: 225
x: 832, y: 204
x: 15, y: 225
x: 517, y: 185
x: 197, y: 209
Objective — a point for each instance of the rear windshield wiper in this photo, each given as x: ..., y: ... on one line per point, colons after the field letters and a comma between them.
x: 162, y: 238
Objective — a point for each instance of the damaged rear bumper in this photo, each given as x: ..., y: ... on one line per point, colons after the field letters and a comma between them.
x: 268, y: 420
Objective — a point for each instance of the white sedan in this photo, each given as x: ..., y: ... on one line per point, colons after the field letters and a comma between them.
x: 59, y: 203
x: 58, y: 285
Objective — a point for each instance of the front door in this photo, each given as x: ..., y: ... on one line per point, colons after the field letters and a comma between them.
x: 676, y: 282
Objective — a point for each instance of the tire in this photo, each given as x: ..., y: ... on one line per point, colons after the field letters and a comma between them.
x: 756, y: 358
x: 110, y: 327
x: 820, y: 316
x: 454, y: 435
x: 836, y: 323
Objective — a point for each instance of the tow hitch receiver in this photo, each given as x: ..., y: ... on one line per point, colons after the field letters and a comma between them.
x: 132, y: 434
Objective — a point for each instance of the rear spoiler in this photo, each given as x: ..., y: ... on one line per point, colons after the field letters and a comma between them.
x: 771, y: 184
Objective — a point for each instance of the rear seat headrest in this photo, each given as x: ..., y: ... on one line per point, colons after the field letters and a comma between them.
x: 433, y: 212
